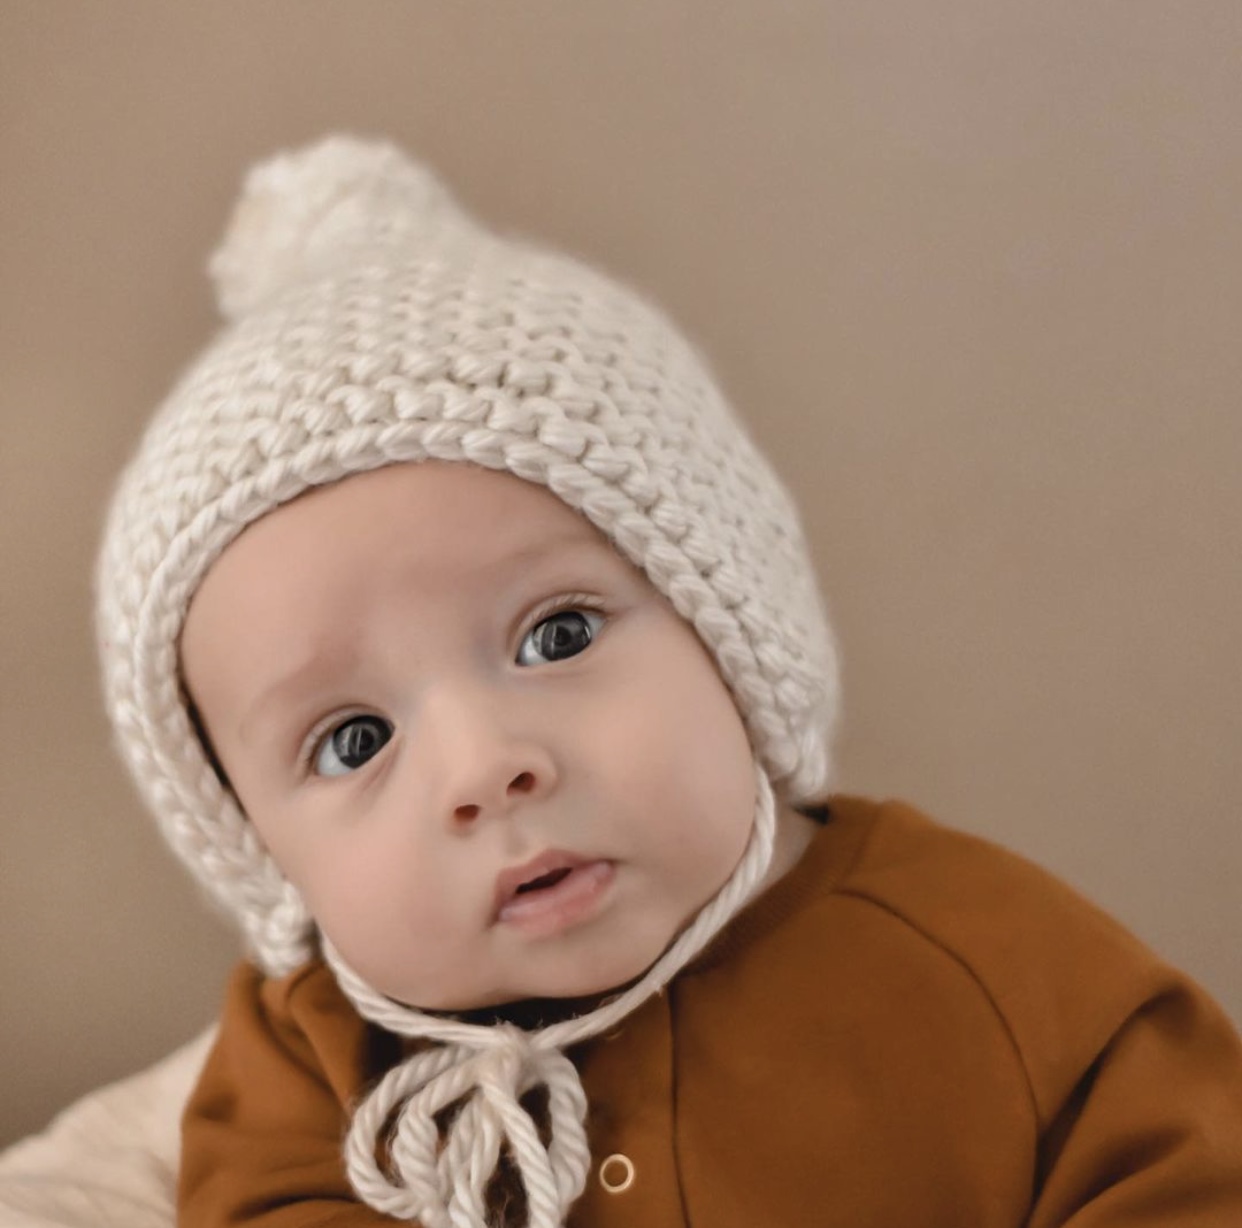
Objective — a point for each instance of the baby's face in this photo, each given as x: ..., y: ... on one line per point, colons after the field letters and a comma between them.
x: 491, y: 757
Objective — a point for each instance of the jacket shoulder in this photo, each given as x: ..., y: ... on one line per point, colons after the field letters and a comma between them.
x: 1062, y: 975
x: 301, y: 1021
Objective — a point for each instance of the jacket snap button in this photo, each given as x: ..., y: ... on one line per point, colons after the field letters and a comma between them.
x: 616, y: 1173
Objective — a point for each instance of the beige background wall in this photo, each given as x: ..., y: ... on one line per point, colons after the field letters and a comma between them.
x: 973, y: 272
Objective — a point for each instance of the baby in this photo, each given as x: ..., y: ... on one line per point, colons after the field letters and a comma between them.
x: 471, y: 657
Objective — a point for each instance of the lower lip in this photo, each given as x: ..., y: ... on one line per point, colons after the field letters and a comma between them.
x: 542, y: 914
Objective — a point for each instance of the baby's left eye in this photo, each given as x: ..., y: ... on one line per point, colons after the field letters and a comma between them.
x: 560, y: 635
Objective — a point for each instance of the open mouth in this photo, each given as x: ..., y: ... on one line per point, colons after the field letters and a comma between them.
x: 544, y: 880
x: 551, y: 892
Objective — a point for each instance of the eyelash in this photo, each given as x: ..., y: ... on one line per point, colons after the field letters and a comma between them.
x: 558, y: 605
x: 312, y: 744
x: 320, y: 732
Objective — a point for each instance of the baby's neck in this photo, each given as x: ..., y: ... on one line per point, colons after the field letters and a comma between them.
x: 531, y: 1014
x: 794, y: 831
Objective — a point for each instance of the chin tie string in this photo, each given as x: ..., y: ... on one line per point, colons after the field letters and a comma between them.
x: 426, y: 1141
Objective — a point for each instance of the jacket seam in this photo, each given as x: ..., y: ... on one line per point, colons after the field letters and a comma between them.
x: 956, y: 958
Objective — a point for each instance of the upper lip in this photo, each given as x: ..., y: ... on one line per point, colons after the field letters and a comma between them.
x: 508, y: 881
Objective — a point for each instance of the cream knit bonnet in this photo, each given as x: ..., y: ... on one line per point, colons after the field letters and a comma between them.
x: 371, y: 321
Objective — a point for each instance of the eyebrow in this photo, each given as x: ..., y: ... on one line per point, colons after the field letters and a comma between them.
x: 289, y: 682
x: 563, y: 546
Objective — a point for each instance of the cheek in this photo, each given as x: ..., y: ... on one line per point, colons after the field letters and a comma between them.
x: 377, y: 889
x: 358, y: 883
x: 701, y: 720
x: 393, y: 925
x: 685, y: 758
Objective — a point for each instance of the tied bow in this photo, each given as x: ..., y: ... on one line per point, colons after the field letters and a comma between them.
x: 439, y: 1177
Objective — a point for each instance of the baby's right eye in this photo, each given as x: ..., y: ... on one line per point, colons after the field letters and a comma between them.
x: 347, y: 747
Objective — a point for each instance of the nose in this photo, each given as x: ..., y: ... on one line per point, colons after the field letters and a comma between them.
x: 487, y: 759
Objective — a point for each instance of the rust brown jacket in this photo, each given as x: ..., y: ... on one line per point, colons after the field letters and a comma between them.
x: 912, y: 1029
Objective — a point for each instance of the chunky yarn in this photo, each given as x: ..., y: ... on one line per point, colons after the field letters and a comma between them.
x: 373, y: 322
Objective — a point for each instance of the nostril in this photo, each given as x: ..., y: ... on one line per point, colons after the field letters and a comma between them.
x: 523, y: 783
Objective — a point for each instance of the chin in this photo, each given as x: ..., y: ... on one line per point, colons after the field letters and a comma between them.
x: 598, y: 978
x: 561, y: 978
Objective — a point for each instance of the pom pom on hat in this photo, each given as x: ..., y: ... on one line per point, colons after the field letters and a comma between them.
x: 303, y: 211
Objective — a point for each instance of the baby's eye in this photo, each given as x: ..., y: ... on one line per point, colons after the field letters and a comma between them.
x: 560, y: 635
x: 351, y: 744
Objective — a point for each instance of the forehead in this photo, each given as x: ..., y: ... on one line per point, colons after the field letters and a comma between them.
x: 434, y: 497
x: 354, y: 562
x: 427, y: 508
x: 438, y: 522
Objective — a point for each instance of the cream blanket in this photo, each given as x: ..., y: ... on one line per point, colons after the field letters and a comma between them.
x: 108, y: 1161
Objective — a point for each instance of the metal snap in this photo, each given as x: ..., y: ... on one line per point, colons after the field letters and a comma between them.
x: 616, y: 1173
